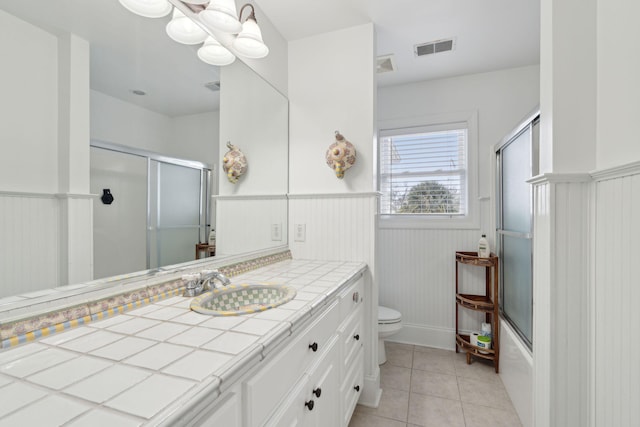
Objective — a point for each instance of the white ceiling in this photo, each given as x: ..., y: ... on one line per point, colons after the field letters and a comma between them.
x: 489, y: 34
x: 129, y: 52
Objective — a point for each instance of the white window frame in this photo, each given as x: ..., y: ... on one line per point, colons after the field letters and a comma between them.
x: 471, y: 220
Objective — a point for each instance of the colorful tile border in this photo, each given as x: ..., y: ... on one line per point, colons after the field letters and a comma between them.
x: 27, y: 330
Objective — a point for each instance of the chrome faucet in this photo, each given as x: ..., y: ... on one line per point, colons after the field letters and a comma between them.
x: 208, y: 280
x: 197, y: 283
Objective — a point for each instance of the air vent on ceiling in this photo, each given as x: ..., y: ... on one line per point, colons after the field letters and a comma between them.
x: 213, y: 86
x: 385, y: 64
x: 433, y: 47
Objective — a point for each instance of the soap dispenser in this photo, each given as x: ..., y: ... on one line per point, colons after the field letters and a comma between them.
x: 483, y: 247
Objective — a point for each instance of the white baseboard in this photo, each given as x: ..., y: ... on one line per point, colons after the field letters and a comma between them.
x: 427, y: 336
x: 371, y: 392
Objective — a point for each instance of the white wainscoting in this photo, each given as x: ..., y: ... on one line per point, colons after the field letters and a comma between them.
x: 247, y: 222
x: 417, y: 277
x: 29, y: 236
x: 562, y: 341
x: 343, y: 227
x: 615, y: 346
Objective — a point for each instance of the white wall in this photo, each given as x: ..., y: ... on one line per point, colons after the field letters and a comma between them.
x: 584, y: 282
x: 331, y: 88
x: 617, y: 90
x: 253, y: 117
x: 416, y: 265
x: 28, y: 107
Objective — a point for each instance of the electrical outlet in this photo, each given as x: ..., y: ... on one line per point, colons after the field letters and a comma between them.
x: 276, y: 232
x: 300, y: 232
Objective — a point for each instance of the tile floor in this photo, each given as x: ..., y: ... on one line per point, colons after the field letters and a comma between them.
x: 436, y: 388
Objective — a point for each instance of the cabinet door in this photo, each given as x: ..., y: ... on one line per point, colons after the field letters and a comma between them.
x: 323, y: 389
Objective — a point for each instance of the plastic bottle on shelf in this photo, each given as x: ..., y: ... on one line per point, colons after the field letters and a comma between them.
x: 212, y: 237
x: 483, y: 247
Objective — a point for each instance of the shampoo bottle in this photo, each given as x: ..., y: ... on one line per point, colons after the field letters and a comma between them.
x: 483, y: 247
x: 212, y: 237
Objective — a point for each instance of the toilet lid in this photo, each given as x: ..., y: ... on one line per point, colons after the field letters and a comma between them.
x: 388, y: 315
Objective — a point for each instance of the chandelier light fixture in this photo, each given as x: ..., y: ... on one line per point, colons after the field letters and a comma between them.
x: 214, y: 23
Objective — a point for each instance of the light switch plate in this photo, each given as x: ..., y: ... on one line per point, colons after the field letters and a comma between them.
x: 276, y: 232
x: 300, y: 232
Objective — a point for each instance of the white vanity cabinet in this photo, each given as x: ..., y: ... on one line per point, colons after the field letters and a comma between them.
x: 313, y: 380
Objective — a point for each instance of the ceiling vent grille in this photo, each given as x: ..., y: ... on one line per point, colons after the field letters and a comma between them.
x: 213, y: 86
x: 385, y: 64
x: 433, y: 47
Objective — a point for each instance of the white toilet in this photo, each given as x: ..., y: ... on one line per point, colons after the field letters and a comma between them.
x: 389, y: 323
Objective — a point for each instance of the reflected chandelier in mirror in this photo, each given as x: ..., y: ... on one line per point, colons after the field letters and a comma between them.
x: 222, y: 34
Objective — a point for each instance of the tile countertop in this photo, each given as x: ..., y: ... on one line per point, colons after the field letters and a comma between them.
x: 145, y: 367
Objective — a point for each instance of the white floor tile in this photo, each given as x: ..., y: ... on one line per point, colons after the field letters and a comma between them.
x: 20, y: 352
x: 124, y: 348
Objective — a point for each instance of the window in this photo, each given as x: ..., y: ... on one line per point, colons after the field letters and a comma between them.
x: 426, y: 174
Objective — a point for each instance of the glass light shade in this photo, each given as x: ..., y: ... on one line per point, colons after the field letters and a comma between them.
x: 249, y: 42
x: 212, y: 52
x: 184, y: 30
x: 222, y: 16
x: 148, y: 8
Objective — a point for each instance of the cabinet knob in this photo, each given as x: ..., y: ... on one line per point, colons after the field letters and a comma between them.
x: 356, y: 297
x: 317, y: 392
x: 309, y: 405
x: 356, y: 337
x: 357, y: 388
x: 314, y: 346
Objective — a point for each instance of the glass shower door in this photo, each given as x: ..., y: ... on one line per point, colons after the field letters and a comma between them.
x: 177, y: 212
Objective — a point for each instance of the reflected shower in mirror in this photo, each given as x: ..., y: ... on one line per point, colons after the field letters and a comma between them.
x: 99, y: 73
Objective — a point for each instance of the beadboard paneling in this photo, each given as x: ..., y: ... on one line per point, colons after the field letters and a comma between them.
x: 417, y: 277
x: 29, y: 236
x: 561, y: 342
x: 343, y: 227
x: 617, y: 292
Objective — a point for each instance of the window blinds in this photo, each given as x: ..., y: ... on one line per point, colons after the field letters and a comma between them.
x: 424, y: 172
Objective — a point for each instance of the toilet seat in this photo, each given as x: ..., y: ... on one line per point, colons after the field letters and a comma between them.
x: 388, y: 316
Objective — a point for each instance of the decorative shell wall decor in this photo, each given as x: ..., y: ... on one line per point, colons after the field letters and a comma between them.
x: 234, y: 163
x: 341, y: 155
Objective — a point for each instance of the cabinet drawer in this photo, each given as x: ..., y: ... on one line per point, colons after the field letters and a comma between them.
x: 351, y: 298
x: 351, y: 340
x: 351, y: 390
x: 265, y: 390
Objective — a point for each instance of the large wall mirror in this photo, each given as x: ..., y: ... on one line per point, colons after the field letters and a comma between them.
x: 92, y: 94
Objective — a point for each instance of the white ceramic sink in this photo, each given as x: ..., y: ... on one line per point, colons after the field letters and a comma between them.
x: 236, y: 300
